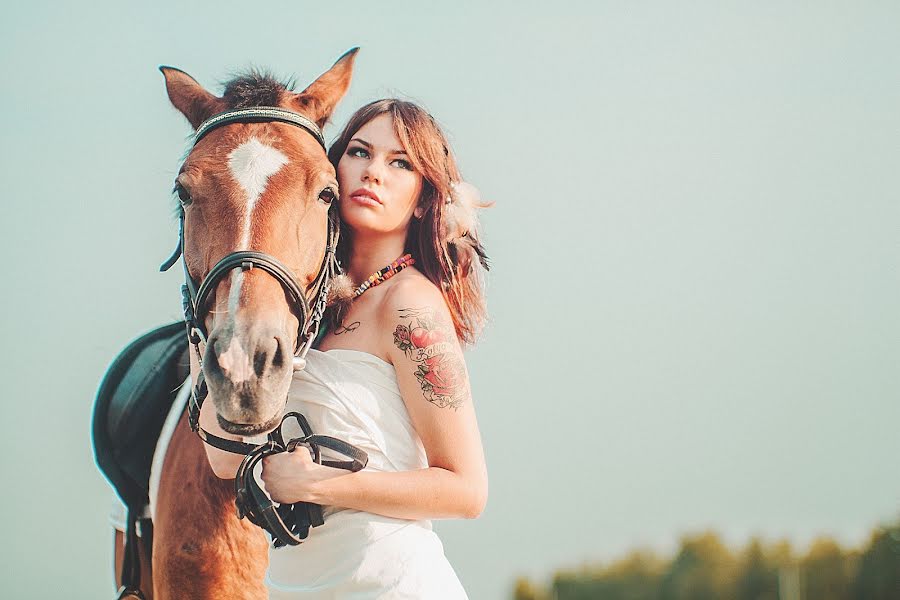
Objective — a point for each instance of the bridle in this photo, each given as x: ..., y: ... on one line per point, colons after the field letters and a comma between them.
x: 195, y: 297
x: 288, y: 524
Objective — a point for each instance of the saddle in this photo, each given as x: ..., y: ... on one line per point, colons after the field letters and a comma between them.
x: 134, y: 398
x: 132, y: 403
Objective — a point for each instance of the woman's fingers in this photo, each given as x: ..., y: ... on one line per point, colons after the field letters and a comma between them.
x: 286, y: 475
x: 285, y: 462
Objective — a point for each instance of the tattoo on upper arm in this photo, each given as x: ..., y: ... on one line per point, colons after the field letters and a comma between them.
x: 428, y: 343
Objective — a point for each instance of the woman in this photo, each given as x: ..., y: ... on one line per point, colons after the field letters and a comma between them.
x: 389, y: 375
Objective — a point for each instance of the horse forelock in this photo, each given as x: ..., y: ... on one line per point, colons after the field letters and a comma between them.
x: 255, y: 88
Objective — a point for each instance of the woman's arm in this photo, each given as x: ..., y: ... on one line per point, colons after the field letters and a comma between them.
x: 432, y: 493
x: 434, y: 384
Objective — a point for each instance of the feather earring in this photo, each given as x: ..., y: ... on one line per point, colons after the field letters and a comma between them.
x: 460, y: 226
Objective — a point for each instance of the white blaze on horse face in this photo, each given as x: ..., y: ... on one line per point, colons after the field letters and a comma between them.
x: 235, y: 362
x: 251, y: 164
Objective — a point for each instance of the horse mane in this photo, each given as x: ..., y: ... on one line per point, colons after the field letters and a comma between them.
x: 255, y: 88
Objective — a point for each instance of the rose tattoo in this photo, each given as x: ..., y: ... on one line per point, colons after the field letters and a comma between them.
x: 440, y: 371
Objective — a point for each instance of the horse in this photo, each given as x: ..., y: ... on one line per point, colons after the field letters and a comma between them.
x: 248, y: 188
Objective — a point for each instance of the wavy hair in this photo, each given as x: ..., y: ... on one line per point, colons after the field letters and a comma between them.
x: 439, y: 259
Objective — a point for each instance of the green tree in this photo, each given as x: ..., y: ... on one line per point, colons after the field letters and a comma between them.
x: 757, y: 577
x: 781, y: 554
x: 703, y: 570
x: 524, y: 589
x: 878, y: 573
x: 577, y: 586
x: 826, y: 571
x: 635, y: 577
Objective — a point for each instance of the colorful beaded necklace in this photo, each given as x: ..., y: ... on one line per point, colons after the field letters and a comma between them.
x: 384, y: 274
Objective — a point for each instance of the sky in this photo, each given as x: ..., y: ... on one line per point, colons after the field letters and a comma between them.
x: 694, y: 289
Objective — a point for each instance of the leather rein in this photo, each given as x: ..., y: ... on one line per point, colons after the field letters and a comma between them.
x: 288, y: 524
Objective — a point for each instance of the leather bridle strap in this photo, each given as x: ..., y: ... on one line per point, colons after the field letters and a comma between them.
x: 314, y: 441
x: 288, y: 524
x: 259, y: 114
x: 131, y: 563
x: 198, y: 394
x: 247, y: 260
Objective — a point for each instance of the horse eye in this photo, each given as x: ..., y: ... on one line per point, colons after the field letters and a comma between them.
x: 327, y: 195
x: 183, y: 196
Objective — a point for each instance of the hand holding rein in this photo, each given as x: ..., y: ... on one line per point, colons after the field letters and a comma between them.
x: 289, y: 524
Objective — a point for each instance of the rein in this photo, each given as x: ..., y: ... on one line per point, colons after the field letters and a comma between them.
x: 287, y: 523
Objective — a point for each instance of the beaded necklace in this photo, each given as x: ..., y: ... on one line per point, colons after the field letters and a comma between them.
x: 384, y: 274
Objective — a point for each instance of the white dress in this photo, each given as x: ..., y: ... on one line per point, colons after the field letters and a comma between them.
x: 353, y: 395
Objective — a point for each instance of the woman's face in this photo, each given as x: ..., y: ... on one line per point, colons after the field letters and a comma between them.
x: 378, y: 187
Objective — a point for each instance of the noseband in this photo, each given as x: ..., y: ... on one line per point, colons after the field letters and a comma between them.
x: 288, y: 524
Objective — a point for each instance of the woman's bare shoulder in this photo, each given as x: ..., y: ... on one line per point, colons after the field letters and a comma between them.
x: 415, y: 292
x: 414, y: 288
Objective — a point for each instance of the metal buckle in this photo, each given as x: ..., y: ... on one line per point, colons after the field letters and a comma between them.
x: 126, y: 592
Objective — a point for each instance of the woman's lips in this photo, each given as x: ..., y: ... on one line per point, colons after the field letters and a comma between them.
x: 364, y: 196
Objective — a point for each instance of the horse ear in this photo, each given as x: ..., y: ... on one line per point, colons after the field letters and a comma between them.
x: 320, y: 98
x: 189, y: 97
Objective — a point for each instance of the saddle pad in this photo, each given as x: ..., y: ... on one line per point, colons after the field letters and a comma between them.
x: 131, y: 406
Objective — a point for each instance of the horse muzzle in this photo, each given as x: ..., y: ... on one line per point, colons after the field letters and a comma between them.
x: 248, y: 377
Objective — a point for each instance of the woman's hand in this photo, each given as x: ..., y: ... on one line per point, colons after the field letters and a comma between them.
x: 294, y: 477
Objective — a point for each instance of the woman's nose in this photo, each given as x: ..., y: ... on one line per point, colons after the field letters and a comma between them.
x: 372, y: 172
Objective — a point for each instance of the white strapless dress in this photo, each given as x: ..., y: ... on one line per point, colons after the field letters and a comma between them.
x: 353, y: 395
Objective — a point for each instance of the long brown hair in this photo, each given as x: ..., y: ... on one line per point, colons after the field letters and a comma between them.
x: 437, y: 258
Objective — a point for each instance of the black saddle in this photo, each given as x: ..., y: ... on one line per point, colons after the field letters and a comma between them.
x: 132, y: 404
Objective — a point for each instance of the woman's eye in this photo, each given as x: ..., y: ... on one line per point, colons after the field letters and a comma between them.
x: 327, y: 195
x: 402, y: 164
x: 183, y: 196
x: 357, y: 152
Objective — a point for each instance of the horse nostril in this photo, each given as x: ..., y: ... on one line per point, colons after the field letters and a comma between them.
x: 278, y: 357
x: 268, y: 353
x: 259, y: 363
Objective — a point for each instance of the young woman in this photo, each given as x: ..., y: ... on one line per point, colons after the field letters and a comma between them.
x: 389, y: 375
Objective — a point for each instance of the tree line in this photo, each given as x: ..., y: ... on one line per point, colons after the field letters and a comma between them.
x: 704, y: 568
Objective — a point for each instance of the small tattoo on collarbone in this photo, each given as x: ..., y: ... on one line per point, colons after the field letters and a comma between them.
x: 347, y: 329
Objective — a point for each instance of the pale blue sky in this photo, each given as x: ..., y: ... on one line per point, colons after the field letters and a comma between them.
x: 695, y: 247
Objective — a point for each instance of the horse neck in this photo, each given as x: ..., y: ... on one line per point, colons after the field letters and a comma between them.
x: 200, y: 548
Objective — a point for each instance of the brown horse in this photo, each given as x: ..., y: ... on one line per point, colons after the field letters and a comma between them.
x: 245, y: 186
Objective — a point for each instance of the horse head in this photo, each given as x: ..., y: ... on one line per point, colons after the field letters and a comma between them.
x: 261, y: 186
